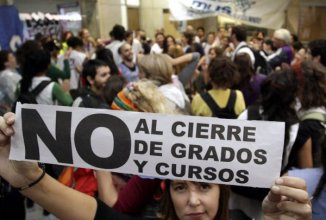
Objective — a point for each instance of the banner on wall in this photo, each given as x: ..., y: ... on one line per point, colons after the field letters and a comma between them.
x: 40, y: 23
x: 11, y: 28
x: 206, y: 149
x: 260, y: 13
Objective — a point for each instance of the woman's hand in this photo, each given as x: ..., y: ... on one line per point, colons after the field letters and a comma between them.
x: 17, y: 173
x: 287, y: 199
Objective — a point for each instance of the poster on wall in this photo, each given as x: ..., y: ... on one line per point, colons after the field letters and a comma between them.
x: 40, y: 23
x: 11, y: 28
x: 262, y: 13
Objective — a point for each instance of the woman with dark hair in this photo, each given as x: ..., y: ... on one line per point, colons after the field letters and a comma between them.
x: 278, y: 95
x: 169, y: 41
x: 34, y: 69
x: 175, y: 206
x: 189, y: 45
x: 221, y: 101
x: 312, y: 113
x: 106, y: 56
x: 250, y: 81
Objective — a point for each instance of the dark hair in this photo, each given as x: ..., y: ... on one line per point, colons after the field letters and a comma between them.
x: 165, y: 43
x: 278, y: 93
x: 25, y: 49
x: 35, y: 62
x: 297, y: 45
x: 313, y: 93
x: 4, y: 55
x: 65, y: 35
x: 106, y: 56
x: 246, y: 69
x: 218, y: 51
x: 90, y: 68
x: 322, y: 180
x: 51, y: 46
x: 294, y: 37
x: 189, y: 37
x: 168, y: 211
x: 240, y: 33
x: 75, y: 42
x: 201, y: 28
x: 159, y: 33
x: 223, y: 72
x: 114, y: 85
x: 128, y: 34
x: 118, y: 32
x: 318, y: 48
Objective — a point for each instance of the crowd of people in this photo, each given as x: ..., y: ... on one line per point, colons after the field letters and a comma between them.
x: 226, y: 74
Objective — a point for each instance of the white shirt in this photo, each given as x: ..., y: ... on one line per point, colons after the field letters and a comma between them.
x: 137, y: 48
x: 114, y: 47
x: 244, y: 48
x: 76, y: 60
x: 156, y: 49
x: 45, y: 96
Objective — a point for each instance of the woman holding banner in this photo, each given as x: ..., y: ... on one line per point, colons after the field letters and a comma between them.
x: 287, y: 198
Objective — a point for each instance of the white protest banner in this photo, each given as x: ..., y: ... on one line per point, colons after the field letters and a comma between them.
x: 237, y: 152
x: 260, y: 13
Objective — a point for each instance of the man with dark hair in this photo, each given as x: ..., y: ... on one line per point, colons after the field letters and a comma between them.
x: 76, y: 60
x: 96, y: 73
x: 317, y: 51
x: 128, y: 68
x: 238, y: 38
x: 117, y: 35
x: 201, y: 34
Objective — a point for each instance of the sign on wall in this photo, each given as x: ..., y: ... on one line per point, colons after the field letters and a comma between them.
x: 260, y: 13
x: 193, y: 148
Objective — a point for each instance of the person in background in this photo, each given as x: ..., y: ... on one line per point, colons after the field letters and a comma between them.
x: 60, y: 67
x: 169, y: 41
x: 250, y: 81
x: 157, y: 47
x: 106, y: 56
x: 96, y: 73
x: 117, y: 35
x: 239, y: 38
x: 200, y: 33
x: 88, y: 41
x: 189, y: 45
x: 76, y: 59
x: 284, y: 53
x: 128, y: 68
x: 9, y: 79
x: 137, y: 45
x: 227, y: 103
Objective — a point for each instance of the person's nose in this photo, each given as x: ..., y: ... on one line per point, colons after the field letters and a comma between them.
x: 194, y: 199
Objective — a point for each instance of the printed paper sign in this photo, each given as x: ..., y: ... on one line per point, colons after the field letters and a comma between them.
x: 262, y: 13
x: 206, y: 149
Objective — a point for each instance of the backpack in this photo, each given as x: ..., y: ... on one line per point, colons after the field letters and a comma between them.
x: 30, y: 97
x: 227, y: 112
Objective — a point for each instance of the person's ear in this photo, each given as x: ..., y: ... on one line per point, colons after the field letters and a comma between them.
x: 90, y: 80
